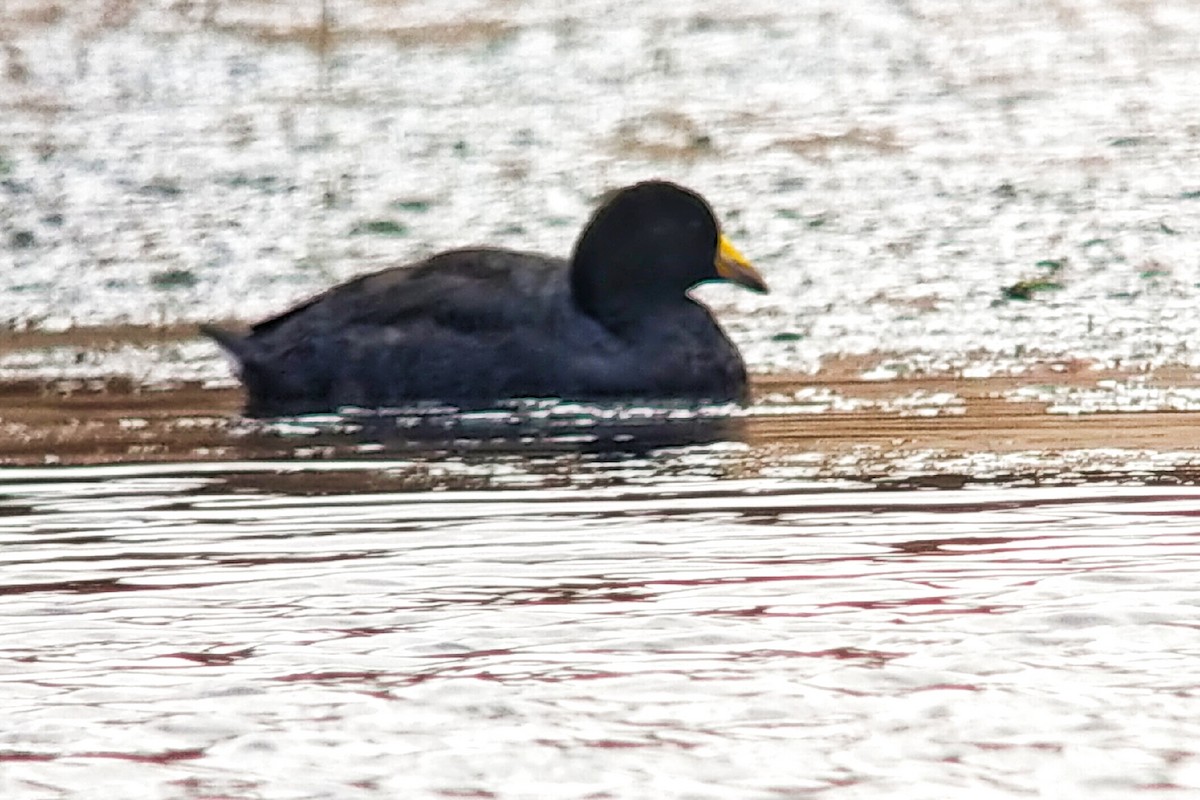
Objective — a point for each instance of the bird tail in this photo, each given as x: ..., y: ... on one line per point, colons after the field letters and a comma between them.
x: 271, y: 390
x: 231, y: 342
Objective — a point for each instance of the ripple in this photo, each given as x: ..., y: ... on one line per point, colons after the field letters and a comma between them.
x: 166, y: 627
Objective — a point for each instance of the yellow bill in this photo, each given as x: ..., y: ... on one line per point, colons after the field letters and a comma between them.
x: 733, y: 267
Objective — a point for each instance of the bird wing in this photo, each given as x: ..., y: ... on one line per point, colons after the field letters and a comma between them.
x: 461, y: 290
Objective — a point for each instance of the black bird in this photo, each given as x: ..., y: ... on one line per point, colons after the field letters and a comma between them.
x: 474, y: 326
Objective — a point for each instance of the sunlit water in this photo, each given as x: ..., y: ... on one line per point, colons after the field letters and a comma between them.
x: 753, y: 618
x: 252, y: 630
x: 892, y: 167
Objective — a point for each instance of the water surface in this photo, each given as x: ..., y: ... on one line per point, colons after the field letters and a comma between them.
x: 261, y: 630
x: 894, y: 168
x: 948, y: 551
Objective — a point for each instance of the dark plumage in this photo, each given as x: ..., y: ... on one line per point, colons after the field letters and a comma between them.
x: 480, y: 325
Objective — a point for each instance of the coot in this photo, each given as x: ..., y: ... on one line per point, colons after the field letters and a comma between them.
x: 473, y: 326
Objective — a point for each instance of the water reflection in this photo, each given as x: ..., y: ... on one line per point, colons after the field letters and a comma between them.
x: 226, y: 631
x: 529, y: 427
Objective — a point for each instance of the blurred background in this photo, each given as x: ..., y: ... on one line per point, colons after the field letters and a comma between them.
x: 936, y: 187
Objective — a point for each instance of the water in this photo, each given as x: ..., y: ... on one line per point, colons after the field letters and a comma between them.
x: 892, y: 167
x: 169, y: 632
x: 948, y: 551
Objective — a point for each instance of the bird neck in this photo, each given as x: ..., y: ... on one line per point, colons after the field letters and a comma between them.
x: 615, y: 293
